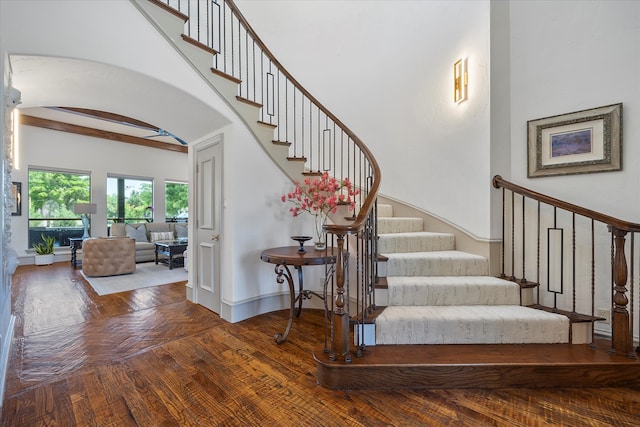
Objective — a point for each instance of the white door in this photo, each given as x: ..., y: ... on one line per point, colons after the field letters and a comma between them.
x: 208, y: 199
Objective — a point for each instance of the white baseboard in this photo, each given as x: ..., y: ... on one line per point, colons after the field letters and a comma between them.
x: 4, y: 356
x: 239, y: 311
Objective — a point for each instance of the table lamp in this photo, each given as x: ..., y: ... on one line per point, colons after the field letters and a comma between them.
x: 85, y: 209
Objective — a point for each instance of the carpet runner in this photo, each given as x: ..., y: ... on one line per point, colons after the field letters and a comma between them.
x: 438, y: 295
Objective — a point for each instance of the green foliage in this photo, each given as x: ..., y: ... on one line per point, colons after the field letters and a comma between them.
x: 138, y: 201
x: 138, y: 195
x: 176, y: 198
x: 53, y: 194
x: 46, y: 247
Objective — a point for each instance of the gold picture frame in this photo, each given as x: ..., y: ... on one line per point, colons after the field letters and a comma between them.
x: 585, y: 141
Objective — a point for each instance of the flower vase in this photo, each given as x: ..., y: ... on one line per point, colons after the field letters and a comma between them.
x: 320, y: 236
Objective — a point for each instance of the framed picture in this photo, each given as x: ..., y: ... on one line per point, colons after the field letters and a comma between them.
x: 16, y: 198
x: 582, y: 142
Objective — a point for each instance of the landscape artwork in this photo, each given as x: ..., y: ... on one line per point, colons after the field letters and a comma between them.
x: 571, y: 143
x: 584, y: 141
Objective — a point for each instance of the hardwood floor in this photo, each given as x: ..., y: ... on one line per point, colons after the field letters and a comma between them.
x: 150, y: 358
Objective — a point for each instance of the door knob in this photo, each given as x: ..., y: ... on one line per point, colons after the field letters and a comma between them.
x: 215, y: 237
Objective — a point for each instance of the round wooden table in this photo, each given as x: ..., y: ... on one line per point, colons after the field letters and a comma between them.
x: 286, y: 256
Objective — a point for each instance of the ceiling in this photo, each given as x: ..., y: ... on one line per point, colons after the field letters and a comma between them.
x: 123, y: 101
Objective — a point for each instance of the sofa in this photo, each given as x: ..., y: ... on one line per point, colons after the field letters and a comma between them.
x: 146, y: 233
x: 108, y: 256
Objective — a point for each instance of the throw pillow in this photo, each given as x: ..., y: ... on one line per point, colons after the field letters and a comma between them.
x: 163, y: 235
x: 136, y: 232
x: 182, y: 231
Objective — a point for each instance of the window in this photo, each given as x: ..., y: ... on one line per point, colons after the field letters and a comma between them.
x: 52, y: 194
x: 129, y: 199
x: 176, y: 201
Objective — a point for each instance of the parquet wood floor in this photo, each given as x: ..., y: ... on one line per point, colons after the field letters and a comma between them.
x: 150, y: 358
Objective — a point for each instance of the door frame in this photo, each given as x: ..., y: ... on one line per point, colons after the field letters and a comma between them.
x: 194, y: 266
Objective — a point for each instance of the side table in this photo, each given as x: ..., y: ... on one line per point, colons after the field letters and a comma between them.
x: 75, y: 243
x: 285, y: 256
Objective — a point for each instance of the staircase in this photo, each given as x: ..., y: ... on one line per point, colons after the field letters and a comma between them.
x: 435, y: 294
x: 438, y: 295
x: 478, y: 332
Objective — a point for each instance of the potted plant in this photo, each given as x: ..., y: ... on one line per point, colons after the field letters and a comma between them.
x: 44, y: 250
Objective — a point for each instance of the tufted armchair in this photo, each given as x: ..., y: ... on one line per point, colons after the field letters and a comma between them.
x: 108, y: 256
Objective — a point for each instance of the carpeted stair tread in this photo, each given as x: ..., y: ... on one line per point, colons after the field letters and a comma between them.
x: 451, y: 290
x: 419, y: 241
x: 399, y: 225
x: 436, y: 263
x: 470, y: 324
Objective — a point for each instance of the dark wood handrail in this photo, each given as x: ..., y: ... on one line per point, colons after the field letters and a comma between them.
x: 359, y: 222
x: 617, y: 223
x: 621, y: 287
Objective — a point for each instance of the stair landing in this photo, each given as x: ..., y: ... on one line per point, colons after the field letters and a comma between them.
x: 478, y: 366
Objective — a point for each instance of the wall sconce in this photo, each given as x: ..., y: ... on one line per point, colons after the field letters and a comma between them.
x: 14, y: 98
x: 15, y: 144
x: 85, y: 209
x: 460, y: 81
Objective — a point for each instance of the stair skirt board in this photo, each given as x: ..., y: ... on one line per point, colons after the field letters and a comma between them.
x: 451, y: 290
x: 422, y: 241
x: 498, y: 324
x: 438, y: 263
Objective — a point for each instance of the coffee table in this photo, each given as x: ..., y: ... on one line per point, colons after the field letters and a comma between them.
x: 173, y: 250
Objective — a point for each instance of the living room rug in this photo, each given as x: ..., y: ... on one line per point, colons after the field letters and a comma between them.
x: 146, y: 275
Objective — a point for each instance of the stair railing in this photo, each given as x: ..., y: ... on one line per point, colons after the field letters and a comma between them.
x: 314, y: 135
x: 592, y: 251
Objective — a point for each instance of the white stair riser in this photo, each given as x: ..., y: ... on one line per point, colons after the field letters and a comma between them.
x: 447, y: 263
x: 470, y: 325
x: 443, y: 291
x: 399, y: 225
x: 415, y: 242
x: 368, y: 337
x: 382, y: 297
x: 385, y: 211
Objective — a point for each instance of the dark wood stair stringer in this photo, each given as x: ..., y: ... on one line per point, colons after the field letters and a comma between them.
x: 478, y: 366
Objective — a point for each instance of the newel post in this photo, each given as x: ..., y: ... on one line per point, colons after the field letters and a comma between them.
x: 340, y: 344
x: 621, y: 342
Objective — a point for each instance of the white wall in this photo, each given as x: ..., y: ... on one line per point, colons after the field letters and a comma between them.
x: 385, y: 69
x: 568, y: 56
x: 254, y: 219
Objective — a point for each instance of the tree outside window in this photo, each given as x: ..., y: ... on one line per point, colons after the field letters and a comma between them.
x: 52, y: 195
x: 176, y: 201
x: 129, y: 200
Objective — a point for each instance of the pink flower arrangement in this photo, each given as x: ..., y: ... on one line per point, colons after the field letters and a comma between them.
x: 321, y: 196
